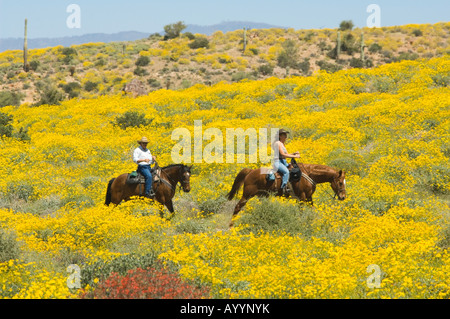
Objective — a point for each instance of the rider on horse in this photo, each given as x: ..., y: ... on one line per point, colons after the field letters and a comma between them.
x: 144, y: 159
x: 280, y: 164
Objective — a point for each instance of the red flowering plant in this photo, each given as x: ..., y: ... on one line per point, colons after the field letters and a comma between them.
x: 150, y: 283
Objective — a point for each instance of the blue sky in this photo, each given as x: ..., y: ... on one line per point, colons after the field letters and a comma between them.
x: 47, y: 18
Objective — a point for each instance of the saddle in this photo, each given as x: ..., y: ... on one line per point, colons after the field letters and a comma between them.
x: 137, y: 178
x: 295, y: 174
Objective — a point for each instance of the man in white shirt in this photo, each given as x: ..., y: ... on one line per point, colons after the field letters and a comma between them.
x: 144, y: 159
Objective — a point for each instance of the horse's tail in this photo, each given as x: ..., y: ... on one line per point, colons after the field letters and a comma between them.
x: 238, y: 182
x: 108, y: 192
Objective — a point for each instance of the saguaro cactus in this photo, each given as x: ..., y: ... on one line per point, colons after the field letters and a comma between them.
x: 245, y: 40
x: 338, y: 45
x: 362, y: 47
x: 26, y: 67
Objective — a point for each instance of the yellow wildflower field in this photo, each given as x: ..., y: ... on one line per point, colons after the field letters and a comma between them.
x: 388, y: 128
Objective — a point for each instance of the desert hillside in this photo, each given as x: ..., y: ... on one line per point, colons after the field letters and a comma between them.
x: 96, y: 69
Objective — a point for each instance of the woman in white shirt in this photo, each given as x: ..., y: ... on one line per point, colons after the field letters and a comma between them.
x: 144, y: 159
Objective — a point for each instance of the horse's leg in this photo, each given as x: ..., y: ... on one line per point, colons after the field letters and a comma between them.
x: 249, y: 192
x: 169, y: 205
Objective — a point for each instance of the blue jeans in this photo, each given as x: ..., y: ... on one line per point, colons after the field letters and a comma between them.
x: 145, y: 170
x: 282, y: 167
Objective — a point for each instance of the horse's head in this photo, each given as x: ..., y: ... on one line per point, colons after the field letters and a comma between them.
x: 185, y: 176
x: 338, y: 185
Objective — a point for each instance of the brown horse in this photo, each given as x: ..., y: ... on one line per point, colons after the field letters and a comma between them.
x: 256, y: 184
x: 164, y: 189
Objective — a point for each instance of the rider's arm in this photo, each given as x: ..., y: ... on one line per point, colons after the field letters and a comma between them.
x: 137, y: 156
x: 284, y: 154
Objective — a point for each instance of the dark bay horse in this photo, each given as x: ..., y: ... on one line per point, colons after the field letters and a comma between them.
x: 256, y: 184
x: 164, y: 189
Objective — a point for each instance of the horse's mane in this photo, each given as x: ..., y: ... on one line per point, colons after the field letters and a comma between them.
x: 172, y: 165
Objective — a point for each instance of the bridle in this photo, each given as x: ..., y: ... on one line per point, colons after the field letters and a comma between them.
x: 309, y: 179
x: 339, y: 190
x: 182, y: 182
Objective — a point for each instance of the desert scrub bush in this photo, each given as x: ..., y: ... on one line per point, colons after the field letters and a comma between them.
x: 131, y: 119
x: 272, y: 215
x: 265, y: 69
x: 19, y: 190
x: 72, y: 89
x: 50, y: 95
x: 241, y: 75
x: 142, y: 61
x: 68, y: 54
x: 374, y: 48
x: 101, y: 269
x: 199, y: 42
x: 90, y: 86
x: 140, y: 71
x: 10, y: 98
x: 9, y: 247
x: 328, y: 66
x: 417, y: 32
x: 6, y: 128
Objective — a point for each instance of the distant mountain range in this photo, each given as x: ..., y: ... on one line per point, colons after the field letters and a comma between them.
x: 17, y: 43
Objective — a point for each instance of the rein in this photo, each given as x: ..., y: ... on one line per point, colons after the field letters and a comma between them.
x: 309, y: 179
x: 169, y: 184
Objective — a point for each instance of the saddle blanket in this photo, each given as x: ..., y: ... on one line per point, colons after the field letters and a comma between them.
x: 137, y: 178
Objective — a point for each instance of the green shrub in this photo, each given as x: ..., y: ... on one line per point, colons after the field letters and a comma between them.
x: 90, y: 86
x: 142, y: 61
x: 346, y: 25
x: 417, y: 32
x: 328, y: 66
x: 9, y: 247
x: 69, y: 54
x: 140, y: 71
x: 303, y: 66
x: 50, y: 95
x: 375, y: 47
x: 273, y: 216
x: 383, y: 84
x: 6, y: 128
x: 356, y: 63
x: 19, y: 190
x: 406, y: 56
x: 241, y: 75
x: 22, y: 134
x: 10, y: 98
x: 285, y: 89
x: 174, y: 30
x: 121, y: 265
x: 188, y: 35
x: 265, y: 69
x: 199, y: 42
x: 132, y: 119
x: 434, y: 179
x: 288, y: 57
x: 72, y: 88
x: 441, y: 80
x: 154, y: 83
x: 34, y: 65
